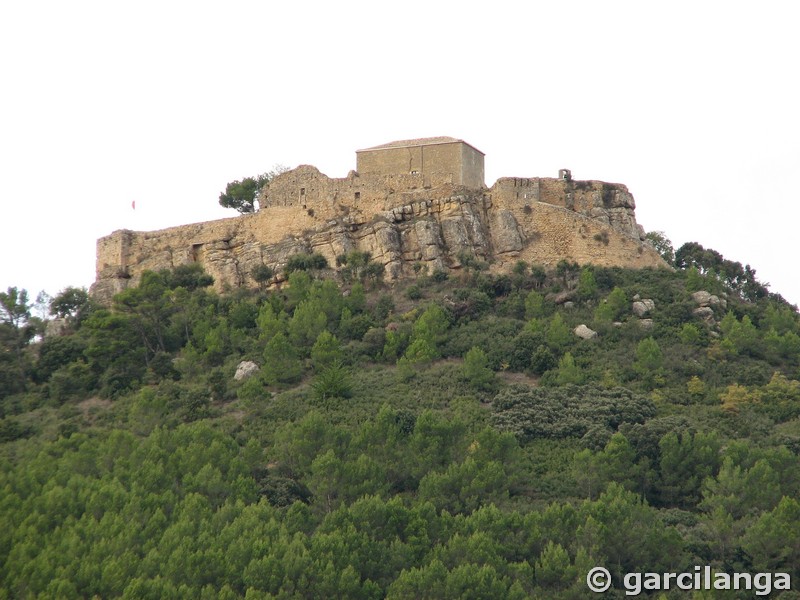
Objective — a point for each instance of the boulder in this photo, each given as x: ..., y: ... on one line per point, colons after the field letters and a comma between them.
x: 561, y: 297
x: 646, y: 323
x: 642, y: 307
x: 583, y: 332
x: 704, y: 312
x: 703, y: 298
x: 245, y: 369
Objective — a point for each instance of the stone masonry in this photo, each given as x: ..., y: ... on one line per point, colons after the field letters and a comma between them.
x: 401, y: 218
x: 429, y: 157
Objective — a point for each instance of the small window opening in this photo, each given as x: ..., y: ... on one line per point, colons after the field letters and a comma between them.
x: 302, y: 191
x: 358, y: 195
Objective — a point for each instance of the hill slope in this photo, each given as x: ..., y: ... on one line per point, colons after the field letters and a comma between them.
x: 449, y: 437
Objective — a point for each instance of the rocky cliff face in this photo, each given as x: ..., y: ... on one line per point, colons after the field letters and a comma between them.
x: 538, y: 220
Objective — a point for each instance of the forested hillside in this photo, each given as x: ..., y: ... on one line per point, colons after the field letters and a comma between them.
x: 448, y: 437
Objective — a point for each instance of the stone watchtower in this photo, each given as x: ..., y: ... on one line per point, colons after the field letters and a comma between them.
x: 425, y: 157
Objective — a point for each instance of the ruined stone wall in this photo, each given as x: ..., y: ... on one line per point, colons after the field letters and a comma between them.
x: 400, y: 221
x: 608, y: 203
x: 327, y: 198
x: 227, y: 248
x: 549, y: 234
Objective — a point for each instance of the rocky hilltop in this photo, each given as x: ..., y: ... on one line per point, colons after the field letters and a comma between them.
x: 403, y: 219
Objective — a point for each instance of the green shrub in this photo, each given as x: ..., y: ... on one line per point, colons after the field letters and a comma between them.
x: 305, y: 262
x: 414, y: 292
x: 439, y: 276
x: 568, y: 411
x: 253, y: 390
x: 477, y: 371
x: 333, y: 381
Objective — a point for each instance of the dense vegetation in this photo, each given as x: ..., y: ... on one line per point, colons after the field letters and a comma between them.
x: 242, y: 195
x: 447, y: 437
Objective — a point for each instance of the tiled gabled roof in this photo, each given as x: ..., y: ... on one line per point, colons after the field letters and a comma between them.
x: 431, y: 141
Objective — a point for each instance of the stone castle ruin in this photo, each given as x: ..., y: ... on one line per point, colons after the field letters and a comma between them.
x: 409, y: 203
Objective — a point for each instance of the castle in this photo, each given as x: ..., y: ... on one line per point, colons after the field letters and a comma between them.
x: 409, y: 203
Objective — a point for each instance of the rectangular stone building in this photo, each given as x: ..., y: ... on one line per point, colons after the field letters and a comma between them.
x: 426, y: 157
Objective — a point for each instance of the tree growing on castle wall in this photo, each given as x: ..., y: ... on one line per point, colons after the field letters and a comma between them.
x: 242, y: 195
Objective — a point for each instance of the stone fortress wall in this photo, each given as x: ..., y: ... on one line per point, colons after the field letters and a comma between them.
x: 422, y: 214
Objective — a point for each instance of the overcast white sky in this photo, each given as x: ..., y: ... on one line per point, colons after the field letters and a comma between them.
x: 692, y: 105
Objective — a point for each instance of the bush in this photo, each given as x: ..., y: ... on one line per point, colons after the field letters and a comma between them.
x: 522, y: 350
x: 11, y: 429
x: 496, y: 286
x: 496, y: 334
x: 439, y: 276
x: 383, y: 307
x: 374, y: 340
x: 333, y: 382
x: 305, y: 262
x: 56, y: 352
x: 359, y: 266
x: 195, y: 403
x: 542, y: 360
x: 253, y: 390
x: 161, y: 366
x: 190, y: 277
x: 470, y: 303
x: 414, y: 292
x: 262, y: 274
x: 281, y: 363
x: 477, y: 371
x: 570, y: 411
x: 614, y: 307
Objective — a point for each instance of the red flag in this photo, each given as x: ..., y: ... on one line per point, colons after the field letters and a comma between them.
x: 133, y: 204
